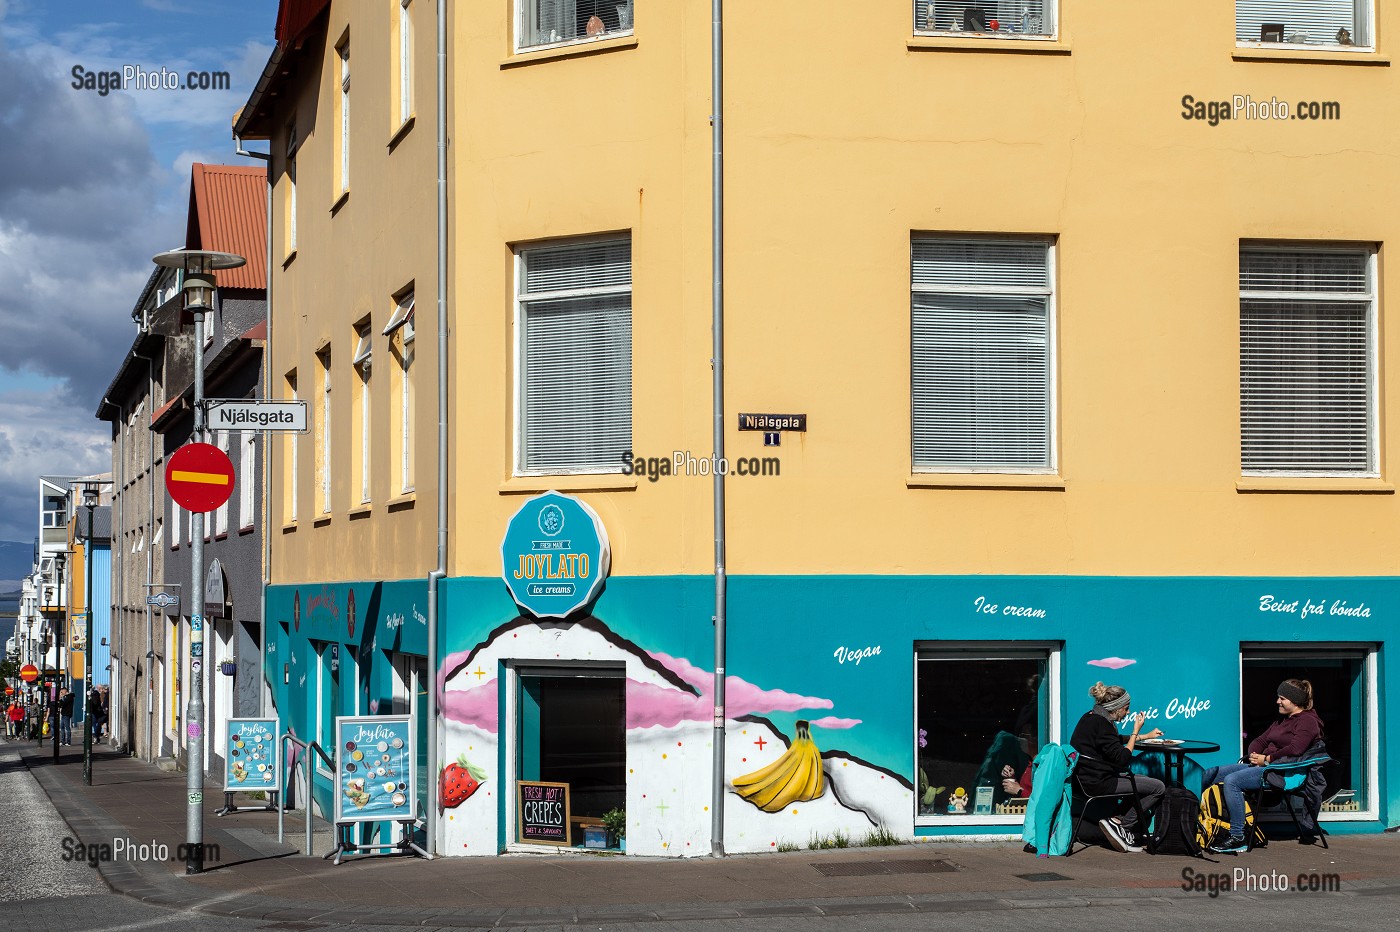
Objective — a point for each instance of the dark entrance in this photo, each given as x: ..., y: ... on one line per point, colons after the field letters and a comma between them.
x: 572, y: 730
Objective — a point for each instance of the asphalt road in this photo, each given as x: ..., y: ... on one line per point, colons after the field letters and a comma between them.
x: 41, y: 891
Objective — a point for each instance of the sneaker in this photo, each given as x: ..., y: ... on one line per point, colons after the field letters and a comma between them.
x: 1235, y: 844
x: 1120, y: 838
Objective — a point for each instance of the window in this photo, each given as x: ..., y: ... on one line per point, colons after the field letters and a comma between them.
x: 221, y: 513
x: 1343, y: 678
x: 361, y: 362
x: 175, y: 525
x: 400, y: 331
x: 575, y: 368
x: 1335, y: 23
x: 343, y: 50
x: 327, y: 692
x: 247, y: 479
x: 556, y: 22
x: 981, y: 363
x: 290, y: 475
x: 1307, y: 373
x: 405, y: 60
x: 290, y: 190
x: 1013, y: 19
x: 980, y: 709
x: 323, y: 431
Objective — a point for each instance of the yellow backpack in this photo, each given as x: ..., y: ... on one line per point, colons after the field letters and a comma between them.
x: 1213, y: 825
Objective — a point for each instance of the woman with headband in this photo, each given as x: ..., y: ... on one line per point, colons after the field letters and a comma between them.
x: 1286, y: 739
x: 1102, y: 756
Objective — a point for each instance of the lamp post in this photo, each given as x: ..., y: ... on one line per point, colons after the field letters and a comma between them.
x: 90, y: 495
x: 59, y: 561
x: 198, y: 267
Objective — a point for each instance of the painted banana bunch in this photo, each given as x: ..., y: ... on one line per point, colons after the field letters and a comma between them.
x: 795, y: 777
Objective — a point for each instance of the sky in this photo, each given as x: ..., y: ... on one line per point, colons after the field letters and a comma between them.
x: 92, y: 186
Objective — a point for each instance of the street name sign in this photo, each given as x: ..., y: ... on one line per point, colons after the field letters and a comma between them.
x: 239, y: 414
x: 199, y: 476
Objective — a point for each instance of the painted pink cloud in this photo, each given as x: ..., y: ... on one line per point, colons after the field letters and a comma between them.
x: 476, y: 706
x: 833, y: 722
x: 1112, y: 663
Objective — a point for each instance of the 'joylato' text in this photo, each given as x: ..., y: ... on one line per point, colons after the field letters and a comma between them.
x: 552, y: 566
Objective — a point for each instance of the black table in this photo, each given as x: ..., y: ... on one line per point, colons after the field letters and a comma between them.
x: 1175, y: 755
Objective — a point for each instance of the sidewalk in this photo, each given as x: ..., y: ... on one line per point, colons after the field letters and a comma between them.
x: 257, y: 878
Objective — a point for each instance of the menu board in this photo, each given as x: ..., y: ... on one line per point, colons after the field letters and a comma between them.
x: 374, y: 775
x: 542, y: 813
x: 253, y: 758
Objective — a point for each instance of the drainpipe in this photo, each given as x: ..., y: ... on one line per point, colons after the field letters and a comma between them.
x: 717, y: 376
x: 117, y: 548
x: 266, y: 447
x: 150, y: 557
x: 440, y: 571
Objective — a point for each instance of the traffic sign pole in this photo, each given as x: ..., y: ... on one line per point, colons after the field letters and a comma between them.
x: 194, y: 727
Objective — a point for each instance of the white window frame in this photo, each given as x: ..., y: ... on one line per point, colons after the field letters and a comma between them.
x: 324, y: 453
x: 1050, y: 295
x: 1370, y: 806
x: 220, y: 521
x: 290, y: 173
x: 343, y: 53
x: 362, y: 362
x: 1370, y: 299
x: 175, y: 525
x: 946, y: 26
x: 247, y: 476
x: 405, y: 61
x: 610, y: 463
x: 990, y: 650
x: 557, y: 41
x: 1362, y: 40
x: 294, y: 443
x: 403, y: 319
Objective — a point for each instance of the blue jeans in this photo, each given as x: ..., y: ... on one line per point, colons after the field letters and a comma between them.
x: 65, y: 729
x: 1236, y: 778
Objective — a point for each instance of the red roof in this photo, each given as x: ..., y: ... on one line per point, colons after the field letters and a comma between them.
x: 293, y: 16
x: 228, y: 213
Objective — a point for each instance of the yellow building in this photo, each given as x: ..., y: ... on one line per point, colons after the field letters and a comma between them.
x: 1080, y: 316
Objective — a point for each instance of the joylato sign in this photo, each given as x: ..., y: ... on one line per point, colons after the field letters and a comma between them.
x: 555, y: 555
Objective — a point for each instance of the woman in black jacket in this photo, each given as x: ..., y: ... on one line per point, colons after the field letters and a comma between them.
x: 1102, y: 756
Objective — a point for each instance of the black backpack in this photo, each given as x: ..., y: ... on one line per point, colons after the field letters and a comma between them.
x: 1174, y: 823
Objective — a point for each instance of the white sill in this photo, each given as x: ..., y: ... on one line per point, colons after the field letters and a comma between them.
x: 586, y: 482
x: 1329, y: 54
x: 986, y: 42
x: 1339, y: 484
x: 929, y: 821
x: 984, y: 481
x: 606, y: 43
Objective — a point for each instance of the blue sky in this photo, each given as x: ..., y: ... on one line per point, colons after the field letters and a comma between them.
x: 91, y: 187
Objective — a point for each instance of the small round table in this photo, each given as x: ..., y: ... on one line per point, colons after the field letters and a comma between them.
x: 1175, y: 755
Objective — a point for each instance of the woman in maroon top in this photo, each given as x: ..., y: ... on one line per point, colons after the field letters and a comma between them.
x: 1284, y: 740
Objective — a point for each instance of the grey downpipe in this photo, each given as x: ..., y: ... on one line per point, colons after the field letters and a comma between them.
x: 117, y: 550
x: 150, y: 562
x: 434, y: 731
x: 717, y: 376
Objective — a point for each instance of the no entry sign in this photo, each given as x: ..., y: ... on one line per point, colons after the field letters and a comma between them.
x: 199, y: 476
x: 29, y: 673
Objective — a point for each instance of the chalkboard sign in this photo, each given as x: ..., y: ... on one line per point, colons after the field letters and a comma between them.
x: 542, y: 813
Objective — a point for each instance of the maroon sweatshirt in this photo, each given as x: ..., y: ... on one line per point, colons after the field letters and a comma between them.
x: 1288, y: 737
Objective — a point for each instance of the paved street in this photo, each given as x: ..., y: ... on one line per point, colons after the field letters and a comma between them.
x: 980, y: 885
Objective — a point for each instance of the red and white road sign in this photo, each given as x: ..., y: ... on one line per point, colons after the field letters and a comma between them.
x: 29, y: 673
x: 199, y: 476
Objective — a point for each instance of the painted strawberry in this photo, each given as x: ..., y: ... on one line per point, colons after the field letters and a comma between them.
x: 459, y: 781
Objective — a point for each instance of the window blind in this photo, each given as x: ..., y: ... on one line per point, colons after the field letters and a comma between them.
x: 1318, y: 20
x: 576, y: 362
x: 980, y: 356
x: 545, y: 22
x: 1306, y: 379
x: 1014, y: 17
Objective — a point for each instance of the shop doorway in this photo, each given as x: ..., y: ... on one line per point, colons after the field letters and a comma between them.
x: 571, y: 728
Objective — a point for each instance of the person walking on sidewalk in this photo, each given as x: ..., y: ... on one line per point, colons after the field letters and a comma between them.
x: 65, y: 717
x: 97, y: 700
x: 14, y: 720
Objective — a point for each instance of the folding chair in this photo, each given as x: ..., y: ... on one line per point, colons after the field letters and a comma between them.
x: 1289, y: 780
x: 1088, y: 800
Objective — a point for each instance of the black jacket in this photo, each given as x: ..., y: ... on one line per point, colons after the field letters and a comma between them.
x: 1101, y: 754
x: 65, y: 705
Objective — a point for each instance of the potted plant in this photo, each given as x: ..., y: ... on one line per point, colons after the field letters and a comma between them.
x: 228, y: 667
x: 615, y: 821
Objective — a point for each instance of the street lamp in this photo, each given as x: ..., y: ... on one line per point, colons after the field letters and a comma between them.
x: 59, y: 561
x: 198, y: 267
x: 91, y: 490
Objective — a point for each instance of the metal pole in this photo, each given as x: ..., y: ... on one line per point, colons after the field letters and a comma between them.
x: 58, y: 667
x: 89, y: 652
x: 717, y: 377
x: 194, y: 729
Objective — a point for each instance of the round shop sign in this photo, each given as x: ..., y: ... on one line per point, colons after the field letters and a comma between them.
x: 555, y: 555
